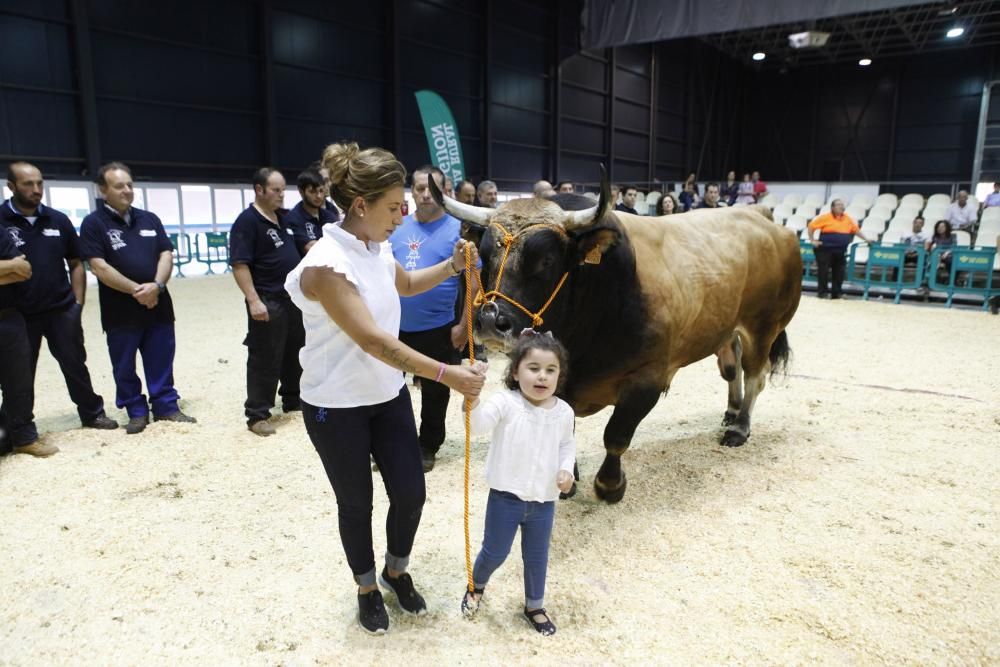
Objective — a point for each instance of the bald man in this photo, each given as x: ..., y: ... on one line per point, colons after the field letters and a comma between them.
x: 543, y: 189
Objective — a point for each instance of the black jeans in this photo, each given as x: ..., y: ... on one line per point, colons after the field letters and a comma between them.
x: 17, y: 425
x: 64, y: 334
x: 346, y: 440
x: 273, y: 355
x: 828, y: 259
x: 436, y: 344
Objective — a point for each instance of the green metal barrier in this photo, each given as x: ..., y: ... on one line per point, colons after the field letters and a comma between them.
x: 182, y: 251
x: 976, y: 267
x: 215, y: 250
x: 808, y: 253
x: 886, y: 267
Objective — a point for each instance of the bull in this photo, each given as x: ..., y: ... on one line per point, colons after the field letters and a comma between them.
x: 634, y: 299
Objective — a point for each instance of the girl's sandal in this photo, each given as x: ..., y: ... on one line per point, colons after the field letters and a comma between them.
x: 545, y: 627
x: 470, y: 602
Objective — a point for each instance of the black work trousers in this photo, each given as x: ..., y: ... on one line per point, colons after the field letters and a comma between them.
x: 830, y: 260
x: 17, y: 425
x: 272, y: 356
x: 63, y: 332
x: 436, y: 344
x: 346, y: 440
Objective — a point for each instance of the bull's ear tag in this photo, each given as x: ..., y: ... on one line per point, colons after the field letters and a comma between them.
x: 594, y: 256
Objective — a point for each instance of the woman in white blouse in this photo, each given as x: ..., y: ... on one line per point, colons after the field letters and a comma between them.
x: 354, y: 401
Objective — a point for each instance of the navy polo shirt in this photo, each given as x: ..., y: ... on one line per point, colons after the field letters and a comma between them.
x: 267, y: 248
x: 132, y: 248
x: 8, y: 293
x: 47, y: 244
x: 306, y: 228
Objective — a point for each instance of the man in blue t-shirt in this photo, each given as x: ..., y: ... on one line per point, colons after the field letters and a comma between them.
x: 427, y: 323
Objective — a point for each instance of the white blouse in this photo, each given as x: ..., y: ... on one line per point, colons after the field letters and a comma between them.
x: 336, y: 372
x: 530, y: 444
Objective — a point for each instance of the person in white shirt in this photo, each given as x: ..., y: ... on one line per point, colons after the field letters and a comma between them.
x: 355, y: 404
x: 529, y: 462
x: 961, y: 214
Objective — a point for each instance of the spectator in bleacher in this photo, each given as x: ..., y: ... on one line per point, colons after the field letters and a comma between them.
x: 730, y: 189
x: 961, y: 214
x: 262, y: 253
x: 917, y: 238
x: 942, y: 238
x: 688, y: 198
x: 564, y: 186
x: 466, y: 192
x: 712, y: 197
x: 52, y: 301
x: 759, y: 186
x: 487, y: 194
x: 667, y: 205
x: 692, y: 180
x: 132, y: 257
x: 306, y: 219
x: 542, y: 189
x: 836, y: 230
x: 745, y: 193
x: 629, y: 194
x: 449, y: 187
x: 616, y: 191
x: 993, y: 198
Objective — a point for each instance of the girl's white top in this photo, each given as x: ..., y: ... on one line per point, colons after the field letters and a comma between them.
x: 530, y: 445
x: 336, y: 372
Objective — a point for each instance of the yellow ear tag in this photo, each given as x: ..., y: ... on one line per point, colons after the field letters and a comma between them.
x: 594, y: 256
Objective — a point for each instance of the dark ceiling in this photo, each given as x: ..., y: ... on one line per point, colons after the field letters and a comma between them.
x: 882, y: 34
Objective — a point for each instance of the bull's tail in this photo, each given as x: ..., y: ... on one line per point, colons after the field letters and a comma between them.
x: 780, y: 354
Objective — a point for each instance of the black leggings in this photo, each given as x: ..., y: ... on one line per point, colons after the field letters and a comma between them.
x: 345, y: 439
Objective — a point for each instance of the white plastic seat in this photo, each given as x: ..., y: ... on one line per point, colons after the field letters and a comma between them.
x: 991, y: 213
x: 651, y: 200
x: 813, y: 198
x: 796, y: 222
x: 880, y: 210
x: 963, y: 238
x: 887, y: 200
x: 912, y: 200
x: 892, y: 236
x: 988, y: 233
x: 857, y: 213
x: 860, y: 201
x: 640, y: 203
x: 806, y: 210
x: 770, y: 200
x: 804, y: 234
x: 907, y: 211
x: 591, y: 196
x: 825, y: 208
x: 781, y: 213
x: 934, y: 212
x: 875, y: 226
x: 904, y: 223
x: 839, y: 196
x: 792, y: 200
x: 878, y: 214
x: 861, y: 254
x: 973, y: 201
x: 939, y: 199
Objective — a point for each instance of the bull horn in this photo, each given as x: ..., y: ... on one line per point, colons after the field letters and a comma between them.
x: 477, y: 216
x: 576, y: 221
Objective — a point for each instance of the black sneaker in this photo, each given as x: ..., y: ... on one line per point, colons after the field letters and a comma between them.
x: 407, y: 596
x: 102, y: 422
x: 428, y: 459
x: 137, y: 424
x: 372, y: 616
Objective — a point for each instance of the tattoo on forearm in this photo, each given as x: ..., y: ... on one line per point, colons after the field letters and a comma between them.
x: 395, y: 356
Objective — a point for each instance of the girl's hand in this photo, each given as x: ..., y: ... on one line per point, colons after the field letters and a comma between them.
x: 465, y: 381
x: 458, y: 256
x: 564, y: 480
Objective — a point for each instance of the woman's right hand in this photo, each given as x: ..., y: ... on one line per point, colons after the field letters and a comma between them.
x: 466, y: 381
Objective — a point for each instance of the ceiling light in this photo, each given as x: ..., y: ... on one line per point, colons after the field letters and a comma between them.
x: 865, y: 62
x: 760, y: 55
x: 955, y: 32
x: 948, y: 12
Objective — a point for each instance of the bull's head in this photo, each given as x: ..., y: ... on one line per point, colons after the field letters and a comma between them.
x: 535, y: 246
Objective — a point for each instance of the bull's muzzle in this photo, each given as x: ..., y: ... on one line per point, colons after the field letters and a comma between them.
x: 490, y: 323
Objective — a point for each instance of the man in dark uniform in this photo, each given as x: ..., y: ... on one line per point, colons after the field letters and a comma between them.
x: 130, y: 254
x: 308, y: 216
x: 17, y: 426
x: 262, y: 251
x: 50, y: 304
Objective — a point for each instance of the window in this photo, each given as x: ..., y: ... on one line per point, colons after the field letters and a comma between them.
x: 164, y: 202
x: 75, y: 201
x: 228, y: 205
x: 197, y: 205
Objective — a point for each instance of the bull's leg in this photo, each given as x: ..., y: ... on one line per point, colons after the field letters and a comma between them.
x: 609, y: 485
x: 730, y: 367
x: 755, y: 368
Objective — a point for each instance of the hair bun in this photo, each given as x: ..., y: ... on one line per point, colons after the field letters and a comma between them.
x: 337, y: 160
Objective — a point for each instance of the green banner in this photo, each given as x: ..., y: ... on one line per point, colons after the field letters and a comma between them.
x: 442, y: 134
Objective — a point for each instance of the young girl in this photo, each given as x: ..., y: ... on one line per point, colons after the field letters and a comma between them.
x: 530, y: 461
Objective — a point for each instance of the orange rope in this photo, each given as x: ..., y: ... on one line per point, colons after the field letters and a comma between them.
x: 468, y: 410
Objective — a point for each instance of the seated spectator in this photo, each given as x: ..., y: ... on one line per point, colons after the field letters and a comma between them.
x: 745, y: 193
x: 942, y: 238
x: 730, y: 189
x: 712, y: 197
x: 688, y: 198
x: 466, y: 192
x: 487, y: 193
x: 629, y: 194
x: 542, y: 189
x: 565, y: 186
x: 667, y: 205
x: 993, y: 198
x: 917, y: 238
x: 961, y: 214
x: 693, y: 180
x: 616, y: 190
x: 759, y: 186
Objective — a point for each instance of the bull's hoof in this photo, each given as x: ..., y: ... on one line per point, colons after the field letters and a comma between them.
x: 729, y: 418
x: 568, y: 494
x: 733, y: 439
x: 608, y: 494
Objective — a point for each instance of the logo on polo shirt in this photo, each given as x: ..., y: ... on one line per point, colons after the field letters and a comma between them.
x: 115, y: 237
x: 414, y: 255
x: 274, y: 237
x: 311, y: 231
x: 50, y: 232
x: 15, y: 236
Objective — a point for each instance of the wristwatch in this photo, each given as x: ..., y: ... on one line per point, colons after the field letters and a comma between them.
x: 162, y: 287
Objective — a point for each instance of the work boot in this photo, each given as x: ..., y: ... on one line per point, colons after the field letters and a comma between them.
x: 102, y: 422
x: 176, y: 417
x: 262, y: 428
x: 37, y: 448
x: 137, y: 424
